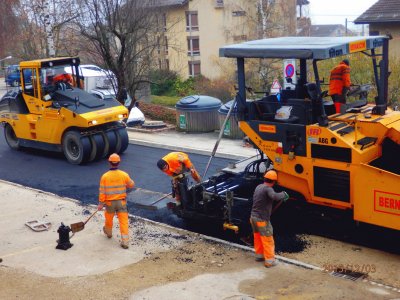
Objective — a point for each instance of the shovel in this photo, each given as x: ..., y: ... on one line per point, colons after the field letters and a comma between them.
x: 75, y: 227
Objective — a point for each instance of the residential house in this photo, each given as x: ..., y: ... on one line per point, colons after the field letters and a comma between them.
x: 384, y: 18
x: 325, y: 30
x: 193, y: 31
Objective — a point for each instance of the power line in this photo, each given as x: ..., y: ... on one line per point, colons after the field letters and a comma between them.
x: 346, y: 15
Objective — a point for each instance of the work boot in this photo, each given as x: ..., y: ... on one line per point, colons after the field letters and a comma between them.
x: 124, y: 245
x: 271, y: 264
x: 107, y: 233
x: 259, y: 259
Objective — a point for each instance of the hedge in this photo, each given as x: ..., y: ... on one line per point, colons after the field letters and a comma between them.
x: 157, y: 112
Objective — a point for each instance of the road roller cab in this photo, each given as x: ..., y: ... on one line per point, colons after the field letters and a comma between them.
x: 51, y: 112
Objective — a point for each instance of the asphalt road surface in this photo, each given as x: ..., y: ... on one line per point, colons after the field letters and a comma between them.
x: 51, y: 172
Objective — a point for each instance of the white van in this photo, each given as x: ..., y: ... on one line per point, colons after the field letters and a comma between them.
x: 97, y: 81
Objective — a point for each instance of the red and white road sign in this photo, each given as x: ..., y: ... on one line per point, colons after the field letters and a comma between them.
x: 275, y: 87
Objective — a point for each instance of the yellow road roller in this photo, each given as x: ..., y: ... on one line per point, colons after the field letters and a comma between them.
x: 51, y: 111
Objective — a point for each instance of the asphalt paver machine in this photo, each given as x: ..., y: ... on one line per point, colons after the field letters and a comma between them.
x: 346, y: 161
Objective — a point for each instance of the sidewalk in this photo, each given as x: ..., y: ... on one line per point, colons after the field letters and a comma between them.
x: 200, y: 143
x: 161, y: 263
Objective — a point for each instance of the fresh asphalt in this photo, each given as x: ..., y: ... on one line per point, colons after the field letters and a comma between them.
x: 51, y: 172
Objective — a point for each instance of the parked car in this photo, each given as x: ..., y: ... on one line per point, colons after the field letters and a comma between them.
x: 93, y: 77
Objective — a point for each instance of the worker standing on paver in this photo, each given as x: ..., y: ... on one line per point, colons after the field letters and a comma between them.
x: 175, y: 164
x: 339, y: 83
x: 114, y: 185
x: 263, y: 197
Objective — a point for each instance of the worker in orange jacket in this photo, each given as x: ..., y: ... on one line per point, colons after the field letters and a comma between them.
x: 339, y: 83
x: 64, y: 78
x: 114, y: 185
x: 175, y: 164
x: 263, y: 198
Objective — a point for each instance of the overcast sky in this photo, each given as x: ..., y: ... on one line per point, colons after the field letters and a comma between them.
x: 336, y: 11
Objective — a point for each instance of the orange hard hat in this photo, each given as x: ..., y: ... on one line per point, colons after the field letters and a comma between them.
x: 114, y: 158
x: 271, y: 175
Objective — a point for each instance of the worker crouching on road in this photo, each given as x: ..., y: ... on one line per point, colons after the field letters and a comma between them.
x: 339, y: 83
x: 263, y: 198
x: 114, y: 185
x: 175, y: 164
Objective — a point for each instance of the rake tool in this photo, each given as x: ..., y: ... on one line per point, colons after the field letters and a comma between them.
x: 152, y: 205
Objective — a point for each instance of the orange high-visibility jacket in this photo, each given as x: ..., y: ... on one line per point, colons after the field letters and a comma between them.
x: 66, y: 78
x: 113, y: 185
x: 178, y: 163
x: 340, y: 77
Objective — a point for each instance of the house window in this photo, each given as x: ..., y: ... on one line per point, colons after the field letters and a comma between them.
x: 193, y: 46
x: 194, y: 68
x: 238, y: 13
x: 161, y: 20
x: 163, y: 64
x: 219, y: 3
x: 164, y: 21
x: 158, y: 46
x: 162, y: 45
x: 192, y: 23
x: 166, y: 45
x: 167, y: 64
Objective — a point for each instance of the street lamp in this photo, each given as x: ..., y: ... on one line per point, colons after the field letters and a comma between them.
x: 8, y: 57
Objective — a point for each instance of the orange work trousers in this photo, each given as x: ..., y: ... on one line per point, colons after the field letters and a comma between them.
x: 264, y: 244
x: 117, y: 207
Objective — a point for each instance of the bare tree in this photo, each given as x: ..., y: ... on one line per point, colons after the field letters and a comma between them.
x: 33, y: 18
x: 262, y: 19
x: 123, y: 37
x: 8, y: 25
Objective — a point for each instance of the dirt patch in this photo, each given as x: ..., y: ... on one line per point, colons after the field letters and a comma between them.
x: 198, y: 266
x: 194, y: 257
x: 330, y: 254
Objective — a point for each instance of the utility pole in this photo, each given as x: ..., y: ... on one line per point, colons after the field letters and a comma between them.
x: 48, y: 28
x: 346, y: 27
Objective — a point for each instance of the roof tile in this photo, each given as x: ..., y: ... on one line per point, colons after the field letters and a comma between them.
x: 381, y: 11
